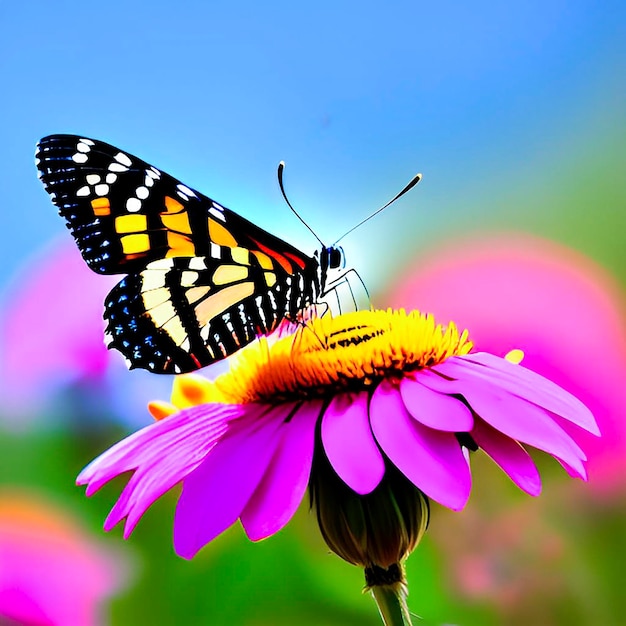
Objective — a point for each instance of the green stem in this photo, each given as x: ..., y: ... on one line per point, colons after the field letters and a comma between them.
x: 391, y: 601
x: 389, y: 588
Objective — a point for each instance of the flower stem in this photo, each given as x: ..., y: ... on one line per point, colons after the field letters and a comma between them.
x: 389, y: 588
x: 391, y: 601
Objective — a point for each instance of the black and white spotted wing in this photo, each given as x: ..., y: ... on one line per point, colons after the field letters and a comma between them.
x: 202, y: 281
x: 180, y: 314
x: 124, y: 212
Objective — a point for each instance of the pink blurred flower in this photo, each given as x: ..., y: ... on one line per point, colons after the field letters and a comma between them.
x: 367, y: 391
x: 560, y: 308
x: 504, y: 558
x: 52, y: 327
x: 52, y: 338
x: 51, y: 572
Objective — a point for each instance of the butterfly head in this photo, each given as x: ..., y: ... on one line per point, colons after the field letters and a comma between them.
x: 330, y: 258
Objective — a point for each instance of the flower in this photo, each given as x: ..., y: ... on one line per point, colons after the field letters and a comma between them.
x: 552, y: 302
x: 51, y: 572
x: 488, y: 559
x: 364, y: 406
x: 52, y: 327
x: 52, y: 341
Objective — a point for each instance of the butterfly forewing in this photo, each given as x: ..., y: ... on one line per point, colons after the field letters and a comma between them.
x: 125, y: 213
x: 202, y: 280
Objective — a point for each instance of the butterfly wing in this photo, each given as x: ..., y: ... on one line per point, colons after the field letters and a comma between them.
x: 180, y: 314
x: 202, y: 280
x: 125, y: 213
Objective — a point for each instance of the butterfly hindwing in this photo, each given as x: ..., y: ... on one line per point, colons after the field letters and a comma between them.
x: 125, y: 213
x: 180, y: 314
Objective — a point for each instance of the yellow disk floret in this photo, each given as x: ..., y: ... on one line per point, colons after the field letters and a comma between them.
x: 325, y: 356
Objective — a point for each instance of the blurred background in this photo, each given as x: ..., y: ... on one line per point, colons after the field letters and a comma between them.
x: 515, y: 115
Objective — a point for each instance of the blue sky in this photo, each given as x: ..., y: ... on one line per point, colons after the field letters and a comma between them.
x: 355, y: 97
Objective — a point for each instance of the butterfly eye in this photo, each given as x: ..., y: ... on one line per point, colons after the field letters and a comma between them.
x: 336, y: 257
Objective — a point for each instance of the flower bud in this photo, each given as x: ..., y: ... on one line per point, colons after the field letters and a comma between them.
x: 376, y: 531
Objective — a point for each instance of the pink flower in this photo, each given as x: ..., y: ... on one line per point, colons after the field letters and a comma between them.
x: 359, y: 404
x: 52, y: 338
x: 51, y: 573
x: 561, y: 309
x: 52, y: 327
x: 504, y: 558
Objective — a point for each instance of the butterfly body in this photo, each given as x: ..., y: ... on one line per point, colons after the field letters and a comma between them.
x: 201, y: 282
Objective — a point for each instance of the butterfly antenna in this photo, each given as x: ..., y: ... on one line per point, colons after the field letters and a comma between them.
x: 416, y: 179
x: 281, y: 167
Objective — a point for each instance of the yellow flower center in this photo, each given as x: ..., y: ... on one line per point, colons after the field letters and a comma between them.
x: 327, y: 355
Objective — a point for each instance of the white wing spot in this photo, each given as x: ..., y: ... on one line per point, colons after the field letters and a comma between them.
x: 83, y: 191
x: 217, y: 213
x: 117, y: 167
x: 196, y: 263
x: 133, y: 205
x: 148, y: 182
x: 92, y: 179
x: 87, y: 141
x: 215, y: 251
x: 102, y: 190
x: 122, y: 158
x: 80, y: 157
x: 259, y: 305
x: 142, y: 192
x: 152, y: 279
x: 185, y: 190
x: 160, y: 264
x: 188, y: 278
x: 111, y: 178
x: 155, y: 172
x: 272, y: 300
x: 82, y: 147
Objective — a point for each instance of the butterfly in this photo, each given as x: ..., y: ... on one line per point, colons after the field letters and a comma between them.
x: 201, y: 281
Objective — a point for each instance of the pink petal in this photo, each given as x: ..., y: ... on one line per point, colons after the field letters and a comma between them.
x: 162, y: 455
x: 562, y: 309
x: 282, y: 487
x: 215, y: 494
x: 432, y: 460
x: 190, y: 431
x: 510, y: 456
x: 433, y: 409
x: 349, y: 443
x: 521, y: 382
x: 512, y: 416
x: 574, y: 473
